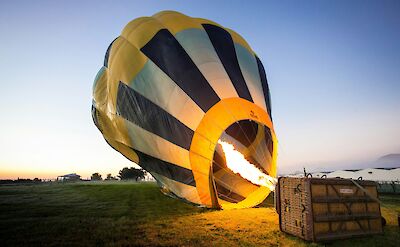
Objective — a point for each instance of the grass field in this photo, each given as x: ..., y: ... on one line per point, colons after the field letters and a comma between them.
x: 130, y: 214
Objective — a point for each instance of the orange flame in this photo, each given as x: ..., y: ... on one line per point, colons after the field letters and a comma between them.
x: 239, y: 165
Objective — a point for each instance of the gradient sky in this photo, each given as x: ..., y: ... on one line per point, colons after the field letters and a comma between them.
x: 333, y: 69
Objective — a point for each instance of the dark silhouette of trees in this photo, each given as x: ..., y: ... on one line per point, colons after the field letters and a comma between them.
x: 21, y: 181
x: 132, y: 173
x: 109, y: 177
x: 96, y: 176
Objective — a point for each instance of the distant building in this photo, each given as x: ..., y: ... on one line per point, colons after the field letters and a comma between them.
x: 69, y: 177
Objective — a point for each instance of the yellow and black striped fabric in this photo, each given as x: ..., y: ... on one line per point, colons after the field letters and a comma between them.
x: 171, y: 86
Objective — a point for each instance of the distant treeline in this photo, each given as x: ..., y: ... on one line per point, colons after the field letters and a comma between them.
x: 22, y: 181
x: 124, y: 174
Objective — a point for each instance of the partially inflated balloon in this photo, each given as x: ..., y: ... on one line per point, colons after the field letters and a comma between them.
x: 172, y: 87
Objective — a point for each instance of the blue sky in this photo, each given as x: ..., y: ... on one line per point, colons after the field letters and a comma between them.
x: 333, y: 69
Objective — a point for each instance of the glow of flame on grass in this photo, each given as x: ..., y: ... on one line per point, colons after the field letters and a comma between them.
x: 239, y: 165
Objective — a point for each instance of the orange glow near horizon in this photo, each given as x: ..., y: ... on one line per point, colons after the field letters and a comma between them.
x: 24, y: 172
x: 239, y: 165
x: 35, y: 173
x: 28, y: 174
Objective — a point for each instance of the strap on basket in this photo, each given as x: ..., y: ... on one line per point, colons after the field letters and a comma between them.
x: 366, y: 191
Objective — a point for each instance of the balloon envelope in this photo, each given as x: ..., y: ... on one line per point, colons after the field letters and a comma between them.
x: 171, y: 87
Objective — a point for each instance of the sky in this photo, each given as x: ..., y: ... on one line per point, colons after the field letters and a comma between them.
x: 333, y: 69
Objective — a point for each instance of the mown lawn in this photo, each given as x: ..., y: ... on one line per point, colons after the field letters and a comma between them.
x: 131, y: 214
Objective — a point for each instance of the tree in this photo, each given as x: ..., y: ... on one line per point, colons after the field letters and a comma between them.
x: 109, y: 177
x: 96, y: 176
x: 131, y: 173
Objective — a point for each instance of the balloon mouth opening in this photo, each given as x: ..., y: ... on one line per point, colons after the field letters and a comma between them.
x: 242, y: 163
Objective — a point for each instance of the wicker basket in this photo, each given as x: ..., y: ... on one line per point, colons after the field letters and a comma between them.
x: 318, y: 209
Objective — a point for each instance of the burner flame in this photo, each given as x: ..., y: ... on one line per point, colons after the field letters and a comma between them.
x: 236, y: 162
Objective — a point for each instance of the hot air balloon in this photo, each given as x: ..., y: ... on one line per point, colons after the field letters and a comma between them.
x: 188, y: 100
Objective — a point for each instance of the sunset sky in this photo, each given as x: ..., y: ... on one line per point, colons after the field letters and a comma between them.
x: 333, y: 69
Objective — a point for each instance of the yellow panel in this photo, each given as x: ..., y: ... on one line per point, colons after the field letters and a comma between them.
x: 100, y: 91
x: 252, y: 200
x: 115, y: 132
x: 175, y: 21
x: 201, y: 175
x: 132, y: 25
x: 140, y: 31
x: 125, y: 62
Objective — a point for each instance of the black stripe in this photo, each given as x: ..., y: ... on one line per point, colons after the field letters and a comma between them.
x: 136, y: 108
x: 166, y: 169
x: 264, y: 84
x: 166, y: 52
x: 244, y: 131
x: 228, y: 195
x: 225, y: 48
x: 108, y: 53
x: 268, y: 139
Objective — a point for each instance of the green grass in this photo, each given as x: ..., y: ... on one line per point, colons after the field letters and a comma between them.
x: 130, y: 214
